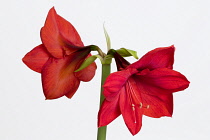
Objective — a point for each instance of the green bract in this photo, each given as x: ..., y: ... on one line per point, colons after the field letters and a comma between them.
x: 108, y: 41
x: 126, y: 52
x: 87, y: 62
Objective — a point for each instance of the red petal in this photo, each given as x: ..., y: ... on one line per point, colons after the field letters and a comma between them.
x: 68, y: 32
x: 158, y: 106
x: 58, y: 76
x: 155, y: 101
x: 87, y: 73
x: 36, y: 58
x: 132, y: 115
x: 115, y: 82
x: 156, y: 89
x: 164, y: 79
x: 157, y: 58
x: 59, y: 36
x: 108, y: 112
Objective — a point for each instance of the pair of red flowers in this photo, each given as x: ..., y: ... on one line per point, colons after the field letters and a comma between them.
x: 142, y: 88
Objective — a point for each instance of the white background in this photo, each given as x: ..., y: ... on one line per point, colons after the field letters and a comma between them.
x: 141, y: 25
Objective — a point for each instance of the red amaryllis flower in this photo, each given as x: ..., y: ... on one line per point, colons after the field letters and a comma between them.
x: 58, y: 57
x: 142, y: 88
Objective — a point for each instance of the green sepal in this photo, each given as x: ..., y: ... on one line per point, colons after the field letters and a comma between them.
x: 87, y: 62
x: 126, y: 52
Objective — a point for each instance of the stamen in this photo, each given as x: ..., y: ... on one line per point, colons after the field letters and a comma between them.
x: 141, y: 105
x: 133, y: 107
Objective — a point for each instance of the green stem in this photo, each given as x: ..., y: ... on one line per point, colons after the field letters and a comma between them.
x: 105, y: 73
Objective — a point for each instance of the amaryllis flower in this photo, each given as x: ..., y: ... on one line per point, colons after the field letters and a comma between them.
x: 58, y: 57
x: 142, y: 88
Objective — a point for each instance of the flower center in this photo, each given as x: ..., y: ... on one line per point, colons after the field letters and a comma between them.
x: 134, y: 95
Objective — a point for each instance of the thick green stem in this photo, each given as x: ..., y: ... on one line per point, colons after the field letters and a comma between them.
x: 105, y: 73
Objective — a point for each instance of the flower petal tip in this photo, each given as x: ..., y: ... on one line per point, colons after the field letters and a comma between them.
x: 172, y: 46
x: 133, y: 132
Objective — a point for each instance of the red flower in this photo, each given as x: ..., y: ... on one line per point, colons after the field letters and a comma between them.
x: 142, y: 88
x: 58, y: 57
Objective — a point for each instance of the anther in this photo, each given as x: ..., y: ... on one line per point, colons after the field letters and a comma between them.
x: 133, y: 107
x: 141, y: 105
